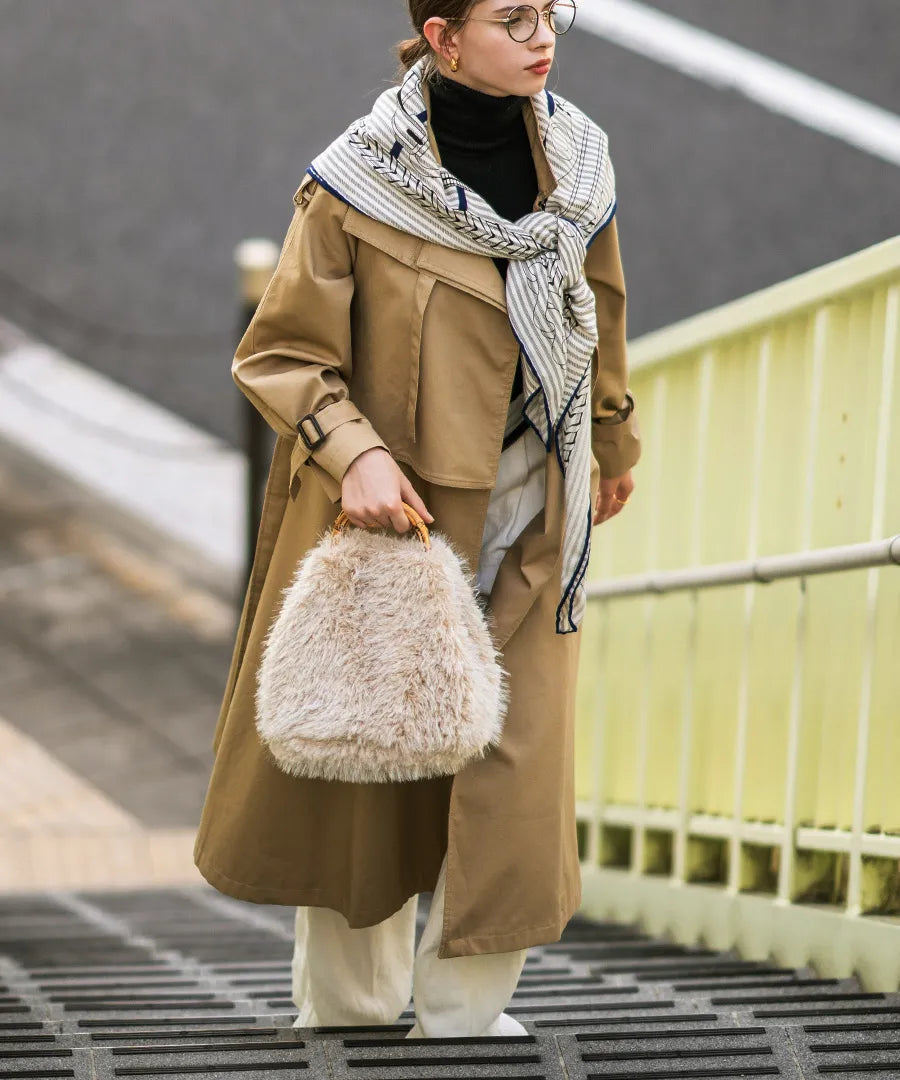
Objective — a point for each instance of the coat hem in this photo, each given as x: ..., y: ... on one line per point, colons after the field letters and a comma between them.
x: 308, y: 897
x: 525, y: 938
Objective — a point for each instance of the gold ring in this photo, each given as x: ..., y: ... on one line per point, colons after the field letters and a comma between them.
x: 622, y: 501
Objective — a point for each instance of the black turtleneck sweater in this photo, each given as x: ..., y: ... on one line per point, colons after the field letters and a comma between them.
x: 482, y: 139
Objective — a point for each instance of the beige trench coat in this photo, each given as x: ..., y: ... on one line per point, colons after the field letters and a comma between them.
x: 395, y: 342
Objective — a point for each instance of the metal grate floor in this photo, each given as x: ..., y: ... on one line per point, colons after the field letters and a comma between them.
x: 184, y: 982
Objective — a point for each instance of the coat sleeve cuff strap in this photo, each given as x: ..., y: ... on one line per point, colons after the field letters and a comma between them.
x: 616, y: 440
x: 314, y: 428
x: 618, y: 415
x: 332, y: 437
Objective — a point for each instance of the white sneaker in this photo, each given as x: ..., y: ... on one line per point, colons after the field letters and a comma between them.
x: 506, y: 1025
x: 503, y: 1025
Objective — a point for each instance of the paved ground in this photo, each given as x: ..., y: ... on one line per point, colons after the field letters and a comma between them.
x: 178, y: 982
x: 142, y: 141
x: 114, y: 648
x: 58, y: 831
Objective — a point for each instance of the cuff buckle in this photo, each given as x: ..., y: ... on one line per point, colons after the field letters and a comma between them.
x: 310, y: 445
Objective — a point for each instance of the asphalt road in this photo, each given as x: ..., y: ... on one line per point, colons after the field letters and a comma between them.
x: 141, y: 142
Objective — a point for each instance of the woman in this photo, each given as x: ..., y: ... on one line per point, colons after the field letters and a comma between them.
x: 446, y: 327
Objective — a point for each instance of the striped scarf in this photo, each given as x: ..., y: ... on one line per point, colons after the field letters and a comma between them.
x: 383, y: 166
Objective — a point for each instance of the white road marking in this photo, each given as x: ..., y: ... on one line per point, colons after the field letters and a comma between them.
x: 775, y: 86
x: 192, y: 488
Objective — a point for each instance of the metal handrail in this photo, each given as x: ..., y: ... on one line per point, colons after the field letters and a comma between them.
x: 763, y: 570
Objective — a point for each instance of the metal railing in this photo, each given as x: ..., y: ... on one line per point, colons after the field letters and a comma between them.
x: 737, y: 746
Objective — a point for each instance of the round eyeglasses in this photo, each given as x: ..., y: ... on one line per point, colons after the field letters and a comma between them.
x: 522, y: 21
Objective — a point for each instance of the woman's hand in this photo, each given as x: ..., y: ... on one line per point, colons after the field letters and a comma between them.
x: 611, y: 496
x: 373, y: 489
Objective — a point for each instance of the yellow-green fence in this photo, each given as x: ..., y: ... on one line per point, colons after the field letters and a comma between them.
x: 738, y: 767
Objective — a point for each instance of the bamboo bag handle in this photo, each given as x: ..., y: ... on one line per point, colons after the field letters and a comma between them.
x: 415, y: 519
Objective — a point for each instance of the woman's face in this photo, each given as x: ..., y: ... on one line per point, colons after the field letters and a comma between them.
x: 489, y: 59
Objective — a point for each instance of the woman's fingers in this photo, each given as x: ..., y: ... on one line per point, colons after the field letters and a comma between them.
x: 359, y: 522
x: 373, y: 491
x: 396, y: 517
x: 625, y: 488
x: 605, y: 500
x: 612, y: 496
x: 411, y: 496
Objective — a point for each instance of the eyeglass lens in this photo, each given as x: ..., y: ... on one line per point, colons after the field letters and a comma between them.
x: 523, y: 20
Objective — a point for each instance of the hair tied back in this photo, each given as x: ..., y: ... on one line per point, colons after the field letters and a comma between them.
x: 411, y: 50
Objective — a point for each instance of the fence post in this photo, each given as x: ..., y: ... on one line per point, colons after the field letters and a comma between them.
x: 255, y: 260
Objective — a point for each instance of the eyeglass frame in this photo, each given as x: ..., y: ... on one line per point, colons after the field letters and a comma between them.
x: 540, y: 15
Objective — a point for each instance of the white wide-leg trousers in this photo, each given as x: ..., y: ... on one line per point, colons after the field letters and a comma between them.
x: 351, y: 977
x: 366, y: 976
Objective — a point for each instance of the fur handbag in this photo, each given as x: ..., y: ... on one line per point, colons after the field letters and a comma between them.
x: 379, y: 665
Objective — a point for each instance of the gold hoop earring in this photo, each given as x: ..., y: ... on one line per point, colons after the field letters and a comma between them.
x: 454, y: 63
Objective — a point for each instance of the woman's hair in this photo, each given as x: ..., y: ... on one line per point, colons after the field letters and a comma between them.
x: 420, y: 11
